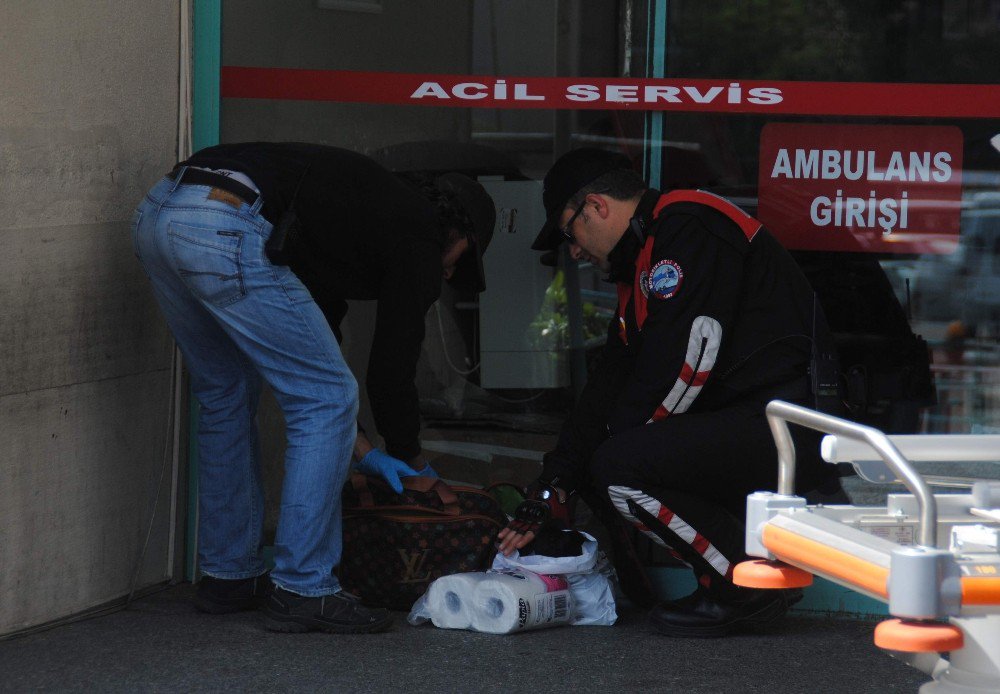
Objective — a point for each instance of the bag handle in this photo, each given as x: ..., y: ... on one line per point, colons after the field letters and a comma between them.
x: 420, y: 484
x: 434, y: 484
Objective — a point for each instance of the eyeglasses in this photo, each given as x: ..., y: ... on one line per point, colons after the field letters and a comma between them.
x: 567, y: 230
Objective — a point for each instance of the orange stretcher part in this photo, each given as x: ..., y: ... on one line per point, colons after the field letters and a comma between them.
x: 822, y: 559
x: 918, y: 637
x: 759, y: 573
x: 978, y: 590
x: 819, y: 558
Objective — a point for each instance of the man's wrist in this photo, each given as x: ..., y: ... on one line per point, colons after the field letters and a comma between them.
x: 545, y: 492
x: 563, y: 484
x: 557, y: 495
x: 362, y: 446
x: 417, y: 462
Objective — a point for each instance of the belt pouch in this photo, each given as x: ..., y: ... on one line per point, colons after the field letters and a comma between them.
x: 278, y: 247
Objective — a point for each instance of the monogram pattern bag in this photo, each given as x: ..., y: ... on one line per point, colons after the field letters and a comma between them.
x: 396, y: 545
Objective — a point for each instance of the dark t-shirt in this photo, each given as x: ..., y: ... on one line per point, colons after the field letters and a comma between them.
x: 363, y: 233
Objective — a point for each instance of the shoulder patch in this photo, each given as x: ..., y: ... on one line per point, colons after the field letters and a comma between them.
x: 665, y: 279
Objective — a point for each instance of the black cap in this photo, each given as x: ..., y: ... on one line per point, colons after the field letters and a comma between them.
x: 571, y: 172
x: 482, y: 212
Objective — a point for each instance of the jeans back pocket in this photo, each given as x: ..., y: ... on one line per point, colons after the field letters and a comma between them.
x: 208, y: 261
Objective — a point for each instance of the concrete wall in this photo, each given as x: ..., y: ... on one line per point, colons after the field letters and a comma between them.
x: 88, y: 120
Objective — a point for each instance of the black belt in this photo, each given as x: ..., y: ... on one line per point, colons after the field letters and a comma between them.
x: 199, y: 177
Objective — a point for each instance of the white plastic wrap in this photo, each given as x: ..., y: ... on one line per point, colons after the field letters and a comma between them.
x: 521, y: 593
x: 516, y: 600
x: 495, y: 602
x: 449, y: 600
x: 587, y: 574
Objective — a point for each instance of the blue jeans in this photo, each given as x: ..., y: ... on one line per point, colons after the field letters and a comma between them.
x: 237, y: 317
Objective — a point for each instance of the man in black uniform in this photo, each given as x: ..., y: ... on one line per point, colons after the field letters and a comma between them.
x: 253, y: 250
x: 714, y: 320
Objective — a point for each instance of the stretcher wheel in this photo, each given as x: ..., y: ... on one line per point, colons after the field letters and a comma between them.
x: 760, y: 573
x: 918, y: 637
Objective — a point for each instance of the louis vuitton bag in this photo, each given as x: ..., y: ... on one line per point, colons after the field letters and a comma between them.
x: 396, y: 545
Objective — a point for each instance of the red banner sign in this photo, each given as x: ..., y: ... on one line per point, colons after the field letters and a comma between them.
x: 875, y: 189
x: 674, y: 94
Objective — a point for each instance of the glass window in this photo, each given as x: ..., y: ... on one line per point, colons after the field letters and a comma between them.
x: 946, y: 294
x: 918, y: 326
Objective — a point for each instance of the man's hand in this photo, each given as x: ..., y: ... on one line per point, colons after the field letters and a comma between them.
x: 388, y: 468
x: 528, y: 518
x: 545, y: 504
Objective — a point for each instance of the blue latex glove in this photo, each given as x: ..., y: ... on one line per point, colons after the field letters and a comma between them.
x: 428, y: 471
x: 390, y: 469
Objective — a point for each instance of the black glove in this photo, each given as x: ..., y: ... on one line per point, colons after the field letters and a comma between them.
x: 529, y: 516
x: 546, y: 503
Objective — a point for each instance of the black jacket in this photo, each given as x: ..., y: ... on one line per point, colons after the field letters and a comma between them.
x: 709, y: 314
x: 363, y: 234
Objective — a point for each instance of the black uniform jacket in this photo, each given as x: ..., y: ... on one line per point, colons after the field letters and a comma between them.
x: 710, y: 313
x: 363, y: 234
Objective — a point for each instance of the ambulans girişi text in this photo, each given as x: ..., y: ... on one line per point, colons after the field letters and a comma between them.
x: 839, y: 210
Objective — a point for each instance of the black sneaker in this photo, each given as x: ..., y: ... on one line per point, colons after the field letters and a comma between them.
x: 341, y: 613
x: 701, y: 616
x: 223, y: 596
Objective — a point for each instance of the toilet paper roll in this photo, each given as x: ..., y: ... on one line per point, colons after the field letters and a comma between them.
x: 517, y: 600
x: 450, y: 600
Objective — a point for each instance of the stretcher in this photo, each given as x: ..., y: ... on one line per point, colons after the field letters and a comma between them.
x: 933, y: 558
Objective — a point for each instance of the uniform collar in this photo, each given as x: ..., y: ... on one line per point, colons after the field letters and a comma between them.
x: 622, y: 256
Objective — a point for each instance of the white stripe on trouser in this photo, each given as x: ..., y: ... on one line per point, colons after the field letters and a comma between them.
x: 619, y: 497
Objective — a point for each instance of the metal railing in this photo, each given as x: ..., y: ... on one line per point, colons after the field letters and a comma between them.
x: 780, y: 413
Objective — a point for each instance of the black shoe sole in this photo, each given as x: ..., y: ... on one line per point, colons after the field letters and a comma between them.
x: 290, y: 624
x: 759, y: 620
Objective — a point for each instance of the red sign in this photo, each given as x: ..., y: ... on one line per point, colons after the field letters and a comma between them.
x: 867, y: 188
x: 615, y: 93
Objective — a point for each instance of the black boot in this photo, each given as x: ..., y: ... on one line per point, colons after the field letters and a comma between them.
x: 707, y: 615
x: 223, y: 596
x: 340, y: 613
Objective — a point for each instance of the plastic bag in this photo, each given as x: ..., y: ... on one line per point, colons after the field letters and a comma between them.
x: 588, y: 577
x: 495, y: 602
x: 520, y: 593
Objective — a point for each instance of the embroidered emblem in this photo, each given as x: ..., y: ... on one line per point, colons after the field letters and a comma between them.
x: 665, y: 279
x: 644, y: 283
